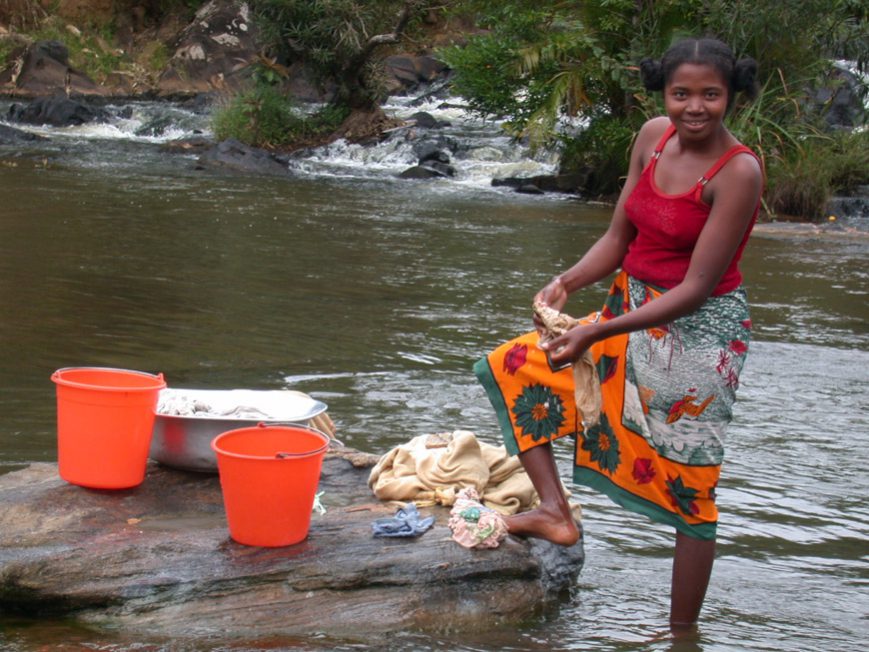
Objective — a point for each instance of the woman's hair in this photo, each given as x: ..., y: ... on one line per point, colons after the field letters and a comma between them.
x: 740, y: 75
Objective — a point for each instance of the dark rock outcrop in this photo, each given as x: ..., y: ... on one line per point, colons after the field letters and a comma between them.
x: 57, y: 111
x: 159, y: 558
x: 10, y: 135
x: 234, y: 155
x: 841, y: 99
x: 213, y: 53
x: 407, y: 72
x: 568, y: 183
x: 851, y: 211
x: 426, y: 120
x: 433, y: 163
x: 42, y: 68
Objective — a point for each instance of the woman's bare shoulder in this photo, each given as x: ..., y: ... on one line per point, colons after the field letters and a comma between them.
x: 649, y: 135
x: 745, y: 166
x: 654, y: 127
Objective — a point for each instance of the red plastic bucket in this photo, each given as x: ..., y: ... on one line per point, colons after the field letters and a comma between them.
x: 104, y: 422
x: 269, y: 476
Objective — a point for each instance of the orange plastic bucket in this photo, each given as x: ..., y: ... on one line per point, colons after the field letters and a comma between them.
x: 104, y: 423
x: 269, y: 476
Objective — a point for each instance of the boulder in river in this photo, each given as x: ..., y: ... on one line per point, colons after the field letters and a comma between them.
x: 57, y: 111
x: 10, y: 135
x: 234, y: 155
x: 568, y: 183
x: 158, y: 558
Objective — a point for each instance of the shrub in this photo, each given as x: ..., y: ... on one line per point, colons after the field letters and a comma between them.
x: 801, y: 182
x: 605, y: 147
x: 262, y: 117
x: 266, y: 117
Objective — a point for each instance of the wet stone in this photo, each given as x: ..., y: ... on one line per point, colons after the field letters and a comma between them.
x: 159, y: 558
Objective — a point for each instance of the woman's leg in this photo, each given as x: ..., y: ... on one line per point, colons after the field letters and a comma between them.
x: 692, y: 566
x: 552, y: 520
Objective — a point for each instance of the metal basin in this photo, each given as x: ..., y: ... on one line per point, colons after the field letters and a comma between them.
x: 183, y: 441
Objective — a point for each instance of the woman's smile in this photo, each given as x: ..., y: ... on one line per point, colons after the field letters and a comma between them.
x: 696, y: 100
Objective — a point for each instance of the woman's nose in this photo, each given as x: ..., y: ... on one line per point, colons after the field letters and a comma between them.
x: 695, y: 105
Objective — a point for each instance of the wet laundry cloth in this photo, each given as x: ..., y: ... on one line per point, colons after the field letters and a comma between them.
x: 475, y: 525
x: 406, y: 522
x: 586, y: 382
x: 432, y: 469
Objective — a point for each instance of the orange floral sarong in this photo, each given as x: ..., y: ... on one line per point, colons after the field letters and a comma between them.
x: 667, y: 396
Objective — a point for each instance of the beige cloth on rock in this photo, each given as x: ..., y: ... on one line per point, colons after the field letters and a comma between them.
x: 432, y: 469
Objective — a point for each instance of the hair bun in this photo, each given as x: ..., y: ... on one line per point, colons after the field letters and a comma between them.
x: 652, y: 74
x: 745, y: 76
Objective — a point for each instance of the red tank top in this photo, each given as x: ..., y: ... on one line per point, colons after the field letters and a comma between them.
x: 668, y: 226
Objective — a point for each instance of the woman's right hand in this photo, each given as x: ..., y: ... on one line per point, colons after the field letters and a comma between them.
x: 554, y: 295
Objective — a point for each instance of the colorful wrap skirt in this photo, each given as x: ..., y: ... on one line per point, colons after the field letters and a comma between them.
x: 667, y: 397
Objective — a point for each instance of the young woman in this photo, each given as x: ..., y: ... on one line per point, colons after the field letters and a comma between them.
x: 671, y: 339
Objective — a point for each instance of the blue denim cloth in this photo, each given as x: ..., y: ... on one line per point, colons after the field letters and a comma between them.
x: 405, y: 523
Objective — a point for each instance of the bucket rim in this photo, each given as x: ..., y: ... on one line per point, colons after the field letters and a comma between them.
x: 276, y: 457
x: 57, y: 377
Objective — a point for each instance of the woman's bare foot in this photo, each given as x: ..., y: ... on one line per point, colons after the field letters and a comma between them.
x: 543, y: 523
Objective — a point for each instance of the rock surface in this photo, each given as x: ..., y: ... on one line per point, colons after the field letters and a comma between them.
x: 41, y: 69
x: 159, y: 558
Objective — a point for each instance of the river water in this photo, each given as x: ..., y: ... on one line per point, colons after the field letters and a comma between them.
x: 376, y: 295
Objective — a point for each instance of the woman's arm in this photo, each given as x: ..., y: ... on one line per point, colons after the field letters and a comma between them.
x: 729, y: 218
x: 606, y: 255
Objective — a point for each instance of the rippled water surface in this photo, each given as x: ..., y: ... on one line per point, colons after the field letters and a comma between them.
x: 376, y: 296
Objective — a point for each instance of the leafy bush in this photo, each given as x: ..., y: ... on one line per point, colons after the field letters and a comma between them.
x: 802, y: 181
x: 605, y: 147
x: 266, y: 117
x: 848, y: 157
x: 262, y: 117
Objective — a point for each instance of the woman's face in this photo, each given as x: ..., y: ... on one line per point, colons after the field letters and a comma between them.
x: 695, y: 98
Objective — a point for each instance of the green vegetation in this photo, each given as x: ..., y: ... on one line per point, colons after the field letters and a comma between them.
x: 340, y: 40
x: 90, y: 49
x: 539, y: 65
x: 265, y: 117
x: 804, y: 177
x: 561, y: 74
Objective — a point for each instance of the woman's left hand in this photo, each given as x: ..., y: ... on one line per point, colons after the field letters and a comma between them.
x: 568, y: 348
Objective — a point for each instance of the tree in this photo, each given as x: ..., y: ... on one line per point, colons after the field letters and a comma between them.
x: 539, y: 63
x: 340, y: 40
x: 343, y: 43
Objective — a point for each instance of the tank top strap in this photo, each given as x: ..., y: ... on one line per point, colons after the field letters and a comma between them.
x: 720, y: 163
x: 668, y: 133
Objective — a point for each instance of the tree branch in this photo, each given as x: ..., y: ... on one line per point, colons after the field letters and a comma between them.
x: 383, y: 39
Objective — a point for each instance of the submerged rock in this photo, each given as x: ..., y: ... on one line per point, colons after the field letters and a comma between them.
x: 235, y: 155
x: 159, y: 558
x: 10, y: 135
x: 567, y: 183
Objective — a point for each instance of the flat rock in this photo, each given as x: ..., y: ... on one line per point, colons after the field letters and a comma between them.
x: 159, y: 558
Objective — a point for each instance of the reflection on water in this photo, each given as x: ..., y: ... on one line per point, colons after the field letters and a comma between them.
x: 377, y: 297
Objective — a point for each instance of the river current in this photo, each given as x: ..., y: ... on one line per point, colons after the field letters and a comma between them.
x: 376, y: 295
